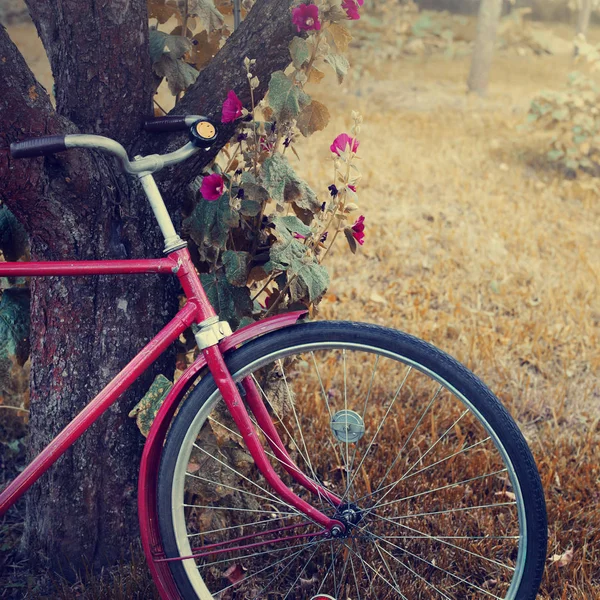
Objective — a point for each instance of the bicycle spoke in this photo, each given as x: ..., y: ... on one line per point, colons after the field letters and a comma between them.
x: 231, y: 487
x: 413, y: 572
x: 253, y: 510
x: 380, y: 426
x: 423, y: 414
x: 274, y: 498
x: 263, y: 522
x: 392, y: 485
x: 439, y: 489
x: 431, y: 564
x: 268, y: 567
x: 300, y: 574
x: 292, y: 466
x: 466, y: 411
x: 355, y: 579
x: 452, y: 510
x: 377, y: 573
x: 443, y: 541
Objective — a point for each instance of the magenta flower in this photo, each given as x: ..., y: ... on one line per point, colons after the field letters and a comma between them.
x: 341, y: 143
x: 358, y: 230
x: 351, y: 8
x: 306, y: 17
x: 213, y: 187
x: 299, y: 236
x: 352, y: 187
x: 232, y: 108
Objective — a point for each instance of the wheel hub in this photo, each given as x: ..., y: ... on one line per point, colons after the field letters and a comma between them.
x: 350, y: 515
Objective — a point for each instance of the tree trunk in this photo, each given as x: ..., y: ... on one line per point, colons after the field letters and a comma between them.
x: 483, y: 53
x: 583, y: 17
x: 78, y: 205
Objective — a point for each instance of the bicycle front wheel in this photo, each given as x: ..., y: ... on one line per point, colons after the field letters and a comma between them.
x: 440, y: 493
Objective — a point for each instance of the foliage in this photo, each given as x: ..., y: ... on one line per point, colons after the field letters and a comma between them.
x: 13, y: 237
x: 261, y: 244
x: 147, y: 408
x: 14, y: 313
x: 14, y: 335
x: 573, y: 116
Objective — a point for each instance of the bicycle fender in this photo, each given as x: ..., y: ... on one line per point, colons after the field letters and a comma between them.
x: 148, y: 480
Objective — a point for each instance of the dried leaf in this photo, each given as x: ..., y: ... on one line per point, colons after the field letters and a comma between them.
x: 340, y: 36
x: 314, y: 117
x: 207, y: 12
x: 564, y: 559
x: 147, y: 408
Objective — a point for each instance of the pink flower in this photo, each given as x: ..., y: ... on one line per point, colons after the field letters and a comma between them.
x: 352, y: 187
x: 306, y: 17
x: 351, y: 8
x: 213, y: 187
x: 341, y: 143
x: 358, y: 230
x: 299, y: 236
x: 232, y: 108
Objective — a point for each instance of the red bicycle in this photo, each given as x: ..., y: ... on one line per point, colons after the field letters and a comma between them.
x: 297, y: 460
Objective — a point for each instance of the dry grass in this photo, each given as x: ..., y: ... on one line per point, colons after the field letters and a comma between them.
x: 475, y: 244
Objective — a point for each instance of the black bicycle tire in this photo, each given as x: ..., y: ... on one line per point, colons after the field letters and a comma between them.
x: 409, y: 347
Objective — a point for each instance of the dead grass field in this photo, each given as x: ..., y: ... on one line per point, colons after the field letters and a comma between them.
x: 477, y: 245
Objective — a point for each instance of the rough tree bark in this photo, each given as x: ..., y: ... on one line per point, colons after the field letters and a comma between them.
x: 77, y: 205
x: 483, y: 53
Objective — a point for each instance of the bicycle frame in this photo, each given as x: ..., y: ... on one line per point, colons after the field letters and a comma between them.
x: 197, y: 310
x: 212, y: 342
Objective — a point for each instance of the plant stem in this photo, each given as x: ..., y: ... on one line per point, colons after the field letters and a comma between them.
x: 281, y: 296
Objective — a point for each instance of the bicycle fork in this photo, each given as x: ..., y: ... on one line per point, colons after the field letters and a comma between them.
x: 235, y: 404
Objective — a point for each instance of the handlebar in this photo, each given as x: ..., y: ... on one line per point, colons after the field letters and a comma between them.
x: 170, y: 123
x: 202, y: 134
x: 38, y: 146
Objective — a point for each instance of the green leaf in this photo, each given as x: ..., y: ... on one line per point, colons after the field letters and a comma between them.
x: 315, y: 279
x: 13, y: 237
x: 178, y: 73
x: 572, y: 164
x: 561, y: 114
x: 299, y: 51
x: 285, y: 98
x: 287, y: 253
x: 231, y: 303
x: 254, y: 197
x: 161, y: 43
x: 340, y: 65
x: 284, y: 185
x: 292, y: 224
x: 14, y: 329
x: 208, y: 13
x: 211, y: 222
x: 314, y: 117
x: 236, y: 267
x: 555, y: 155
x: 147, y: 408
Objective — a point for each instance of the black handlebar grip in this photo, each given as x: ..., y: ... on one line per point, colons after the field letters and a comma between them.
x: 165, y: 124
x: 38, y: 146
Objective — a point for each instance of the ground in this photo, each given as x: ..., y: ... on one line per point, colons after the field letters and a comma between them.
x: 476, y: 244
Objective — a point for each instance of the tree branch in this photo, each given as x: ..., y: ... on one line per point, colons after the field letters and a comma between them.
x: 100, y: 61
x: 264, y: 35
x: 26, y: 111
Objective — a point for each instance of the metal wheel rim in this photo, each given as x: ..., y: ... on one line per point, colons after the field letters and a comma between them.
x: 178, y: 517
